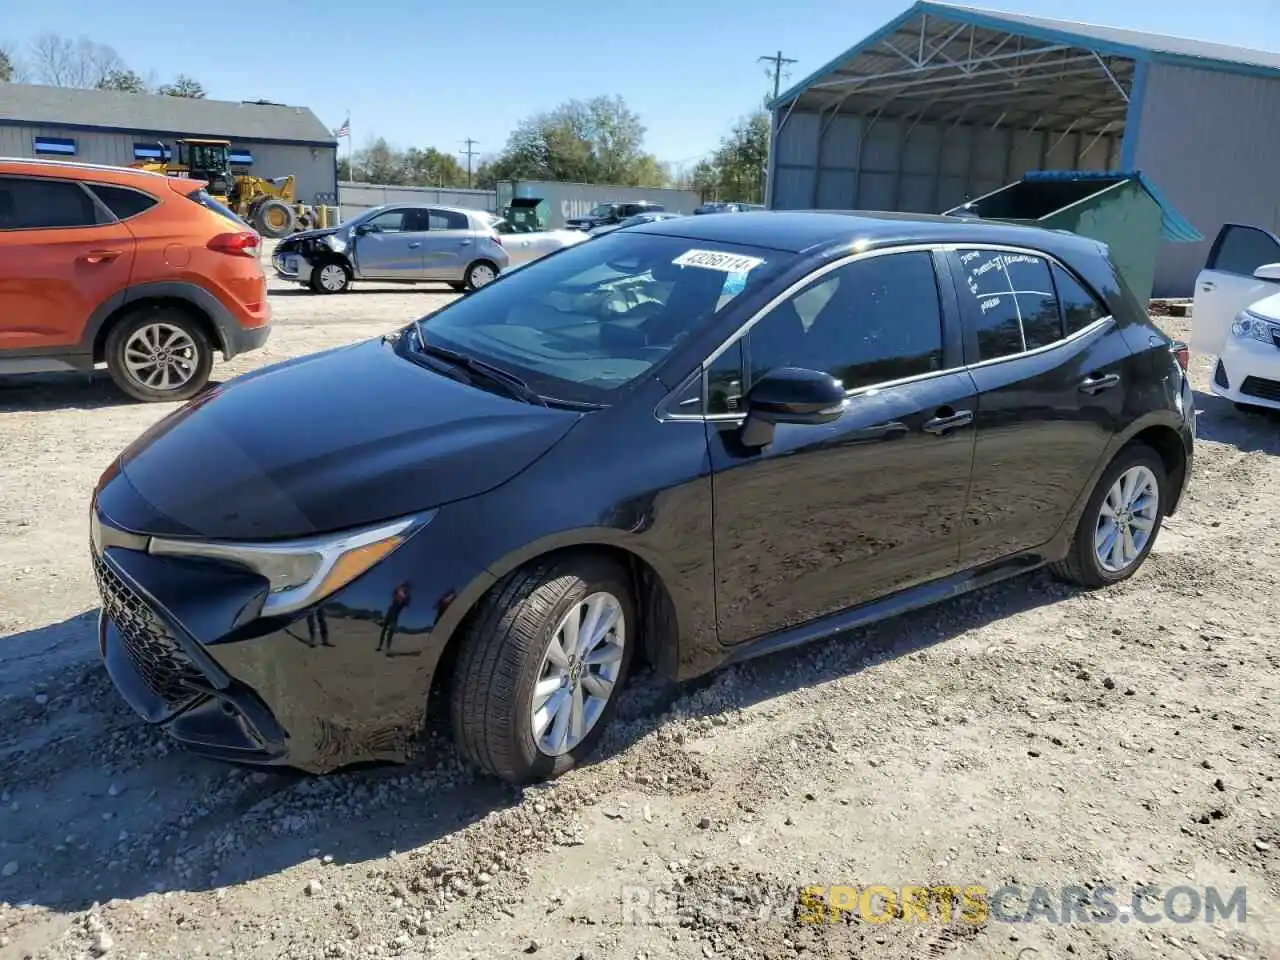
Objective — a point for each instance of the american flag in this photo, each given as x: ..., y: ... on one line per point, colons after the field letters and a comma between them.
x: 344, y: 130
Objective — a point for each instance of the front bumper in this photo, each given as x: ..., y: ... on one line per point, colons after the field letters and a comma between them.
x: 183, y: 645
x: 1248, y: 371
x: 292, y: 266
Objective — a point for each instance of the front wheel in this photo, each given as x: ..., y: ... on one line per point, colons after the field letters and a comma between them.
x: 541, y: 665
x: 332, y: 276
x: 1120, y: 523
x: 480, y: 274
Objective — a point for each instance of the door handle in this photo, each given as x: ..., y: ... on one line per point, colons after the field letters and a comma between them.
x: 1208, y: 285
x: 946, y: 419
x: 1096, y: 384
x: 414, y: 245
x: 465, y: 243
x: 101, y: 256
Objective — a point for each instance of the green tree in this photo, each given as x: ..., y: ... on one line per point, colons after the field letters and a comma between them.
x: 433, y: 168
x: 183, y: 86
x: 600, y: 140
x: 7, y: 68
x: 126, y: 81
x: 736, y: 170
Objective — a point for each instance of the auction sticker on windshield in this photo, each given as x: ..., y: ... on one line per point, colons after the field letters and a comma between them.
x: 717, y: 260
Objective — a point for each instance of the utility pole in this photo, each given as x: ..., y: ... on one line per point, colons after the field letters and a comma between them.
x: 777, y: 61
x: 469, y: 153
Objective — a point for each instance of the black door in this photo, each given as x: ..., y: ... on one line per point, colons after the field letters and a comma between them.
x: 1051, y: 371
x: 827, y: 517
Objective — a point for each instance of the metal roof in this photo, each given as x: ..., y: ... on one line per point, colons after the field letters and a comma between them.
x: 36, y: 105
x: 944, y: 62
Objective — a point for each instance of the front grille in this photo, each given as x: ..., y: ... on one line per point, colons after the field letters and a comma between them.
x: 1260, y: 387
x: 154, y: 652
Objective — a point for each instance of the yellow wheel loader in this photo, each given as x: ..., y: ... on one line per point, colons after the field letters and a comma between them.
x: 270, y: 205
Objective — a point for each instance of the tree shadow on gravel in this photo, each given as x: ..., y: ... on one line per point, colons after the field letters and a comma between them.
x: 1249, y: 430
x: 129, y: 815
x: 43, y: 392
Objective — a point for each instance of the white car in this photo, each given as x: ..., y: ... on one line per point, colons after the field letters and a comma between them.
x: 1236, y: 315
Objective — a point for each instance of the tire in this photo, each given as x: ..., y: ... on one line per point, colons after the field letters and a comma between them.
x: 1082, y: 565
x: 459, y: 287
x: 275, y: 219
x: 505, y: 655
x: 480, y: 274
x: 330, y: 276
x: 171, y: 334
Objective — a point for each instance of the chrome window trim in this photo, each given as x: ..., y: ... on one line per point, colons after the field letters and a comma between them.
x: 663, y: 414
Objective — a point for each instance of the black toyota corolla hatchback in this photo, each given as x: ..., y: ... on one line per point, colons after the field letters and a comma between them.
x: 691, y: 443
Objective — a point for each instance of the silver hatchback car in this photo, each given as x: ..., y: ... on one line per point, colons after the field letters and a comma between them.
x: 403, y: 242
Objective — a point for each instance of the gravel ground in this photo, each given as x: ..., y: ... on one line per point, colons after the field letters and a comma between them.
x: 1027, y: 734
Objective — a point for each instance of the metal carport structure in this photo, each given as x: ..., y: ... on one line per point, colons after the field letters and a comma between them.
x: 948, y: 102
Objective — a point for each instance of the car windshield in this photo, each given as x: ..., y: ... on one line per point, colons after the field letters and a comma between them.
x: 601, y: 210
x: 594, y: 318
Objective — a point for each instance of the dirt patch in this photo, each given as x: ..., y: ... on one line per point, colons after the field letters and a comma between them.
x: 1024, y: 736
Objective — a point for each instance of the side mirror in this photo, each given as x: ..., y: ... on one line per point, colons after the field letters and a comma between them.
x: 1268, y: 271
x: 790, y: 395
x: 365, y: 229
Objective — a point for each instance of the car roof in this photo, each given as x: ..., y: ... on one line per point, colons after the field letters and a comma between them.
x: 799, y: 231
x: 72, y: 167
x: 421, y: 205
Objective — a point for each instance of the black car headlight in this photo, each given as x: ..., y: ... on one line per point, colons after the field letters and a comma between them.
x: 301, y: 572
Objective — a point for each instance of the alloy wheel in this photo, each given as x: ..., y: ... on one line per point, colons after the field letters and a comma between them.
x: 578, y: 674
x: 481, y: 274
x: 1126, y: 519
x: 161, y: 356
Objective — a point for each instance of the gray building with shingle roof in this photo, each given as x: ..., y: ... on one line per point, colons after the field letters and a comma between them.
x: 947, y: 102
x: 105, y: 126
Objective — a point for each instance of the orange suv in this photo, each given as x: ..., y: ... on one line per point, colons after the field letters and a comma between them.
x: 143, y: 272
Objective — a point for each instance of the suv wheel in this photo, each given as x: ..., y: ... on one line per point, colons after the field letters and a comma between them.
x: 480, y: 274
x: 162, y: 354
x: 332, y: 276
x: 1120, y: 522
x: 541, y: 665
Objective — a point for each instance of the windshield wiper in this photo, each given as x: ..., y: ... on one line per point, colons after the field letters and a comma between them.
x: 479, y: 370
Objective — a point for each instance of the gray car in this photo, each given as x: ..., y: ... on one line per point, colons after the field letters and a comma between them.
x: 403, y: 242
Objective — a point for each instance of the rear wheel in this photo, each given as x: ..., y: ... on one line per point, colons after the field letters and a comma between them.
x: 480, y: 274
x: 541, y: 665
x: 331, y: 276
x: 274, y: 219
x: 1120, y: 523
x: 160, y: 354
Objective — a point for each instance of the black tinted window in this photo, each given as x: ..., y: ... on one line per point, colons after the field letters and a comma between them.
x: 205, y: 200
x: 1079, y: 308
x: 1243, y: 250
x: 123, y: 202
x: 871, y: 321
x: 31, y: 203
x: 1013, y: 306
x: 448, y: 220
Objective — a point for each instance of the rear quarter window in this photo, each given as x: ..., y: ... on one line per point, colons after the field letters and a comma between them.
x: 203, y: 198
x: 123, y: 202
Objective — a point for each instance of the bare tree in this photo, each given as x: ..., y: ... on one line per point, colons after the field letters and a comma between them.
x: 63, y: 62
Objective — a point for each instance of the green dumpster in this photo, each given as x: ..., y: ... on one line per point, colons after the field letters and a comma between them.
x: 527, y: 214
x: 1124, y: 210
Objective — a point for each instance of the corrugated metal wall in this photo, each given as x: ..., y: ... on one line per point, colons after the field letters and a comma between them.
x: 357, y: 197
x: 1210, y: 142
x: 313, y: 166
x: 855, y: 162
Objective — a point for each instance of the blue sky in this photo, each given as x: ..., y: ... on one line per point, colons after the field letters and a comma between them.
x: 432, y: 75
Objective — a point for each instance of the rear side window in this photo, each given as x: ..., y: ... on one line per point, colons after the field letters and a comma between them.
x: 1243, y: 250
x: 32, y: 203
x: 203, y: 198
x: 448, y: 220
x: 1013, y: 307
x: 123, y: 202
x: 1079, y: 307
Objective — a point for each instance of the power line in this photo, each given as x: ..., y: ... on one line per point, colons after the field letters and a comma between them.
x: 469, y: 152
x: 778, y: 61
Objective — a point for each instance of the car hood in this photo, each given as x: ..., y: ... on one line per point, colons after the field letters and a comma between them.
x: 339, y: 439
x: 1268, y: 308
x: 311, y: 234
